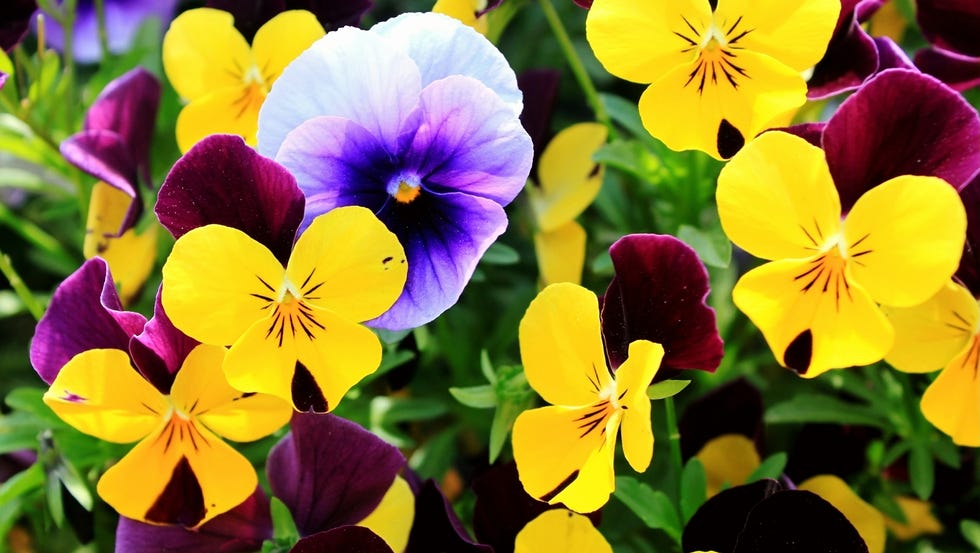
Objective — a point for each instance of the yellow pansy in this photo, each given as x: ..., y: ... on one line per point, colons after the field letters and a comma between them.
x: 561, y: 530
x: 469, y: 12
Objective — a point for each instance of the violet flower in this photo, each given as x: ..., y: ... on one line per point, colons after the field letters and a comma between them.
x: 951, y: 26
x: 422, y: 129
x: 123, y: 18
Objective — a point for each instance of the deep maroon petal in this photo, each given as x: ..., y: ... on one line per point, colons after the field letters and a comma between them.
x: 349, y: 539
x: 15, y: 18
x: 716, y: 525
x: 436, y: 526
x: 891, y: 55
x: 951, y: 24
x: 851, y: 58
x: 658, y: 294
x: 734, y: 408
x: 796, y: 521
x: 128, y: 106
x: 160, y: 350
x: 241, y: 529
x: 223, y: 181
x: 105, y: 155
x: 330, y: 472
x: 811, y: 132
x: 540, y: 88
x: 249, y: 16
x: 969, y: 270
x: 901, y: 123
x: 333, y: 14
x: 958, y: 71
x: 808, y: 457
x: 584, y: 3
x: 85, y: 313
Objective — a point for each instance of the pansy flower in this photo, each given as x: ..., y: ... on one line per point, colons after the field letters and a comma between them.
x: 332, y: 14
x: 123, y: 19
x: 15, y: 19
x: 126, y: 382
x: 951, y: 26
x: 289, y: 312
x: 472, y: 13
x: 561, y: 530
x: 564, y: 452
x: 720, y: 72
x: 224, y: 79
x: 423, y: 130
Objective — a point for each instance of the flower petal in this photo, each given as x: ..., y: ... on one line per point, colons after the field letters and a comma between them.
x: 331, y: 472
x: 952, y: 402
x: 100, y: 393
x: 919, y: 519
x: 716, y: 525
x: 342, y: 538
x: 392, y: 518
x: 956, y: 70
x: 851, y: 58
x: 159, y: 351
x: 813, y: 326
x: 905, y: 238
x: 632, y: 379
x: 776, y: 199
x: 950, y: 24
x: 568, y: 178
x: 540, y: 90
x: 728, y: 460
x: 561, y: 346
x: 281, y: 39
x: 875, y: 136
x: 228, y: 110
x: 105, y: 155
x: 732, y: 408
x: 868, y: 521
x: 203, y: 52
x: 560, y: 530
x: 929, y: 335
x: 796, y: 521
x: 85, y: 313
x: 223, y: 181
x: 658, y: 294
x: 436, y: 526
x: 561, y: 254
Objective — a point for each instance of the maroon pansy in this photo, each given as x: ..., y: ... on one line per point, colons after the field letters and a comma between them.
x: 733, y: 408
x: 658, y: 294
x: 969, y: 269
x: 332, y: 14
x: 951, y: 26
x: 352, y: 539
x: 15, y: 19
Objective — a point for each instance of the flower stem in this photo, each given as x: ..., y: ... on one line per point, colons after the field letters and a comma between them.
x: 673, y: 438
x: 30, y: 302
x: 575, y: 64
x: 103, y: 34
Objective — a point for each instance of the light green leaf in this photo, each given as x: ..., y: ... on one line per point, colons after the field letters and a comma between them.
x: 771, y: 467
x: 478, y: 397
x: 283, y: 525
x: 971, y: 532
x: 500, y: 254
x: 666, y: 388
x: 713, y: 248
x: 652, y: 507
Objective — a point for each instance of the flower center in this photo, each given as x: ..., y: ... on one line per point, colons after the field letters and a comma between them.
x: 716, y: 48
x: 405, y: 188
x: 291, y: 310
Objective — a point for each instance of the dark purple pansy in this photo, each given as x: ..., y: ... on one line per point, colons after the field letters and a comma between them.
x: 764, y: 517
x: 583, y: 3
x: 350, y: 539
x: 959, y: 71
x: 969, y: 270
x: 123, y: 18
x: 900, y: 122
x: 160, y: 349
x: 114, y: 145
x: 658, y: 294
x: 733, y: 408
x: 221, y: 180
x: 332, y: 14
x: 540, y: 89
x: 951, y: 26
x: 851, y: 55
x: 436, y: 526
x: 15, y: 19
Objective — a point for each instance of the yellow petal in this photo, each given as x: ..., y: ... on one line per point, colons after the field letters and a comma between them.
x: 203, y: 52
x: 795, y: 33
x: 392, y: 518
x: 106, y: 214
x: 216, y: 283
x: 568, y: 178
x: 281, y: 39
x: 888, y: 21
x: 348, y: 261
x: 229, y: 110
x: 729, y: 460
x: 183, y: 474
x: 258, y: 363
x: 638, y: 41
x: 905, y: 238
x: 200, y: 389
x: 952, y: 402
x: 561, y: 253
x: 632, y: 380
x: 696, y: 106
x: 560, y: 530
x: 929, y: 335
x: 465, y: 11
x: 867, y: 520
x: 100, y: 393
x: 919, y: 519
x: 565, y: 455
x: 812, y: 318
x: 561, y: 346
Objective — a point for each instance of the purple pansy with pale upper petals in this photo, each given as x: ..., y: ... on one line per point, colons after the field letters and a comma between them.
x: 952, y: 28
x: 114, y: 145
x: 332, y: 14
x: 423, y: 130
x: 658, y: 294
x: 123, y: 18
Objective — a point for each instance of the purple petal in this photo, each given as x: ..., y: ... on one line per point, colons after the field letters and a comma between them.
x: 15, y: 462
x: 352, y: 539
x: 85, y: 313
x: 436, y: 526
x: 969, y: 270
x: 716, y: 525
x: 958, y: 71
x: 851, y: 58
x: 105, y: 155
x: 128, y: 106
x: 334, y: 14
x: 223, y: 181
x: 796, y: 521
x: 249, y: 16
x: 951, y: 24
x: 733, y: 408
x: 891, y: 55
x: 808, y: 457
x: 467, y: 140
x: 811, y: 132
x: 3, y: 79
x: 15, y: 19
x: 901, y: 123
x: 159, y: 351
x: 584, y: 3
x: 123, y: 19
x: 540, y: 89
x: 444, y: 236
x: 241, y: 529
x: 658, y: 294
x: 330, y: 472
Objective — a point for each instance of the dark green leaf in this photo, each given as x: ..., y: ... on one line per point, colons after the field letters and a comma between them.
x: 653, y: 507
x: 436, y: 456
x: 921, y: 471
x: 694, y: 488
x: 500, y: 254
x: 771, y: 467
x: 819, y: 408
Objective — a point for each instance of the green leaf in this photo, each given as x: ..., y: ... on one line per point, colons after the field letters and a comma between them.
x: 387, y: 412
x: 436, y: 456
x: 666, y: 388
x: 283, y: 525
x: 819, y: 408
x: 771, y: 467
x: 500, y: 254
x: 713, y: 248
x: 52, y: 495
x: 22, y: 483
x: 630, y: 156
x: 626, y: 113
x: 971, y: 532
x: 885, y: 502
x: 74, y: 483
x: 602, y: 264
x: 31, y: 400
x: 921, y: 471
x: 511, y: 402
x: 694, y: 488
x: 652, y: 507
x: 478, y: 397
x: 486, y: 367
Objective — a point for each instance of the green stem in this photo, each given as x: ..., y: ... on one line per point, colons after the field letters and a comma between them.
x: 103, y: 35
x: 673, y: 438
x: 36, y: 236
x: 30, y: 302
x: 575, y: 64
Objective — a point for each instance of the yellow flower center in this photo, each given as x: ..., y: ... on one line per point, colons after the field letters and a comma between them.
x: 715, y: 50
x: 291, y: 312
x: 406, y: 193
